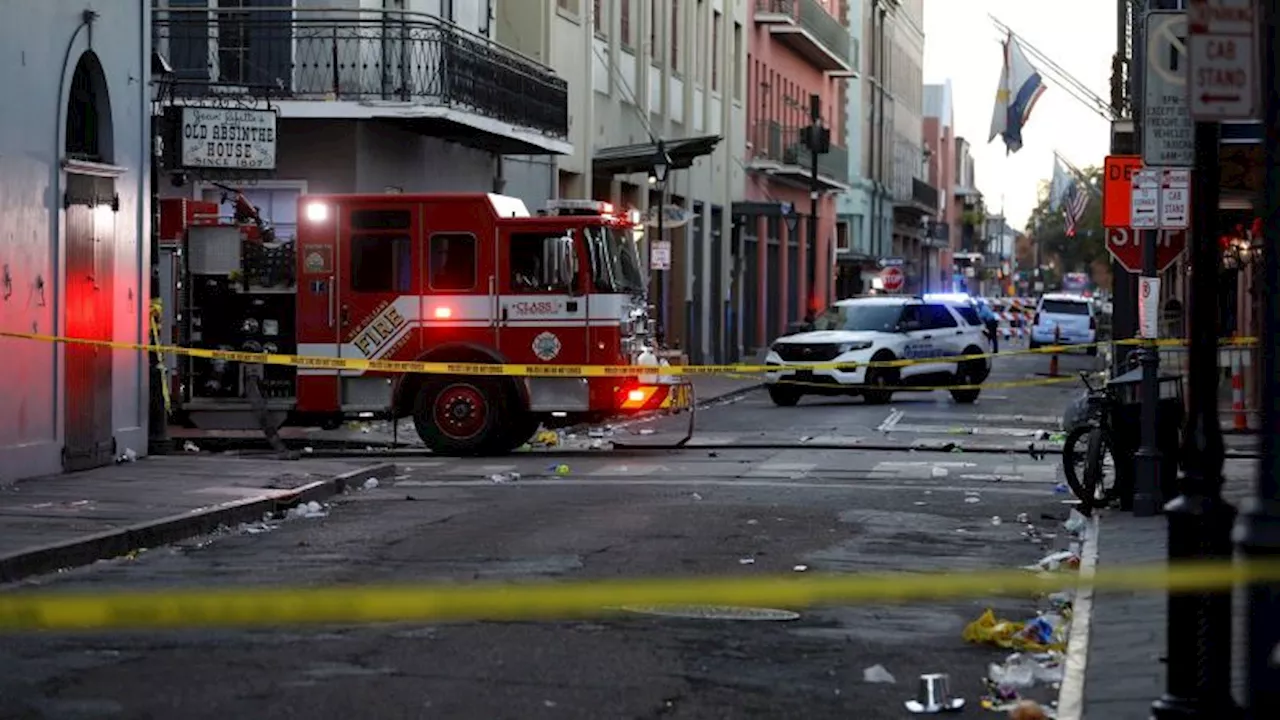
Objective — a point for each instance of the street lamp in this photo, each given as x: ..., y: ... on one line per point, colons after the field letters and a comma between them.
x: 661, y: 165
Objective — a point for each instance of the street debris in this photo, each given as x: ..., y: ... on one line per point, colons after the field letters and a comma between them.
x: 695, y: 496
x: 308, y: 450
x: 548, y: 438
x: 190, y: 447
x: 128, y: 456
x: 995, y: 520
x: 801, y: 568
x: 939, y: 472
x: 1023, y: 518
x: 505, y: 477
x: 1024, y: 637
x: 747, y: 561
x: 307, y: 511
x: 1056, y: 561
x: 934, y: 696
x: 370, y: 484
x: 971, y: 499
x: 878, y: 674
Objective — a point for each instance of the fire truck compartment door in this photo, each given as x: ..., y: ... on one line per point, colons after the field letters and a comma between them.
x: 541, y: 320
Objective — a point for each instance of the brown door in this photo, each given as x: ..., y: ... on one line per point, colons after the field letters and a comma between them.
x: 90, y: 242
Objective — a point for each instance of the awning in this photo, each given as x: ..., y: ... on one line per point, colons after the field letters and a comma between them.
x: 628, y: 159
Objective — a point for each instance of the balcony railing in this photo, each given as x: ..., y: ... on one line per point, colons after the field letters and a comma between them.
x: 783, y: 145
x: 924, y: 194
x: 829, y: 32
x: 398, y: 57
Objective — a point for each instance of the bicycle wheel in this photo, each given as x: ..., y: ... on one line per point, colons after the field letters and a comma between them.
x: 1099, y: 470
x: 1074, y: 452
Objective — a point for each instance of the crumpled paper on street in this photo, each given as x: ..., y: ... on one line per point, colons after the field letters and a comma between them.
x: 988, y: 630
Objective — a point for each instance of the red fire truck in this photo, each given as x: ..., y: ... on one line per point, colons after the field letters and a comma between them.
x: 463, y: 278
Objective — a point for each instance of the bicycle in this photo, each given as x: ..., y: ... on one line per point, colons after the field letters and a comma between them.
x: 1089, y: 450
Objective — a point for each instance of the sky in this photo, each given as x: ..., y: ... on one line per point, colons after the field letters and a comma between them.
x: 963, y: 45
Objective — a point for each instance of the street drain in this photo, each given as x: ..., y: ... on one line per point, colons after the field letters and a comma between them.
x: 713, y: 612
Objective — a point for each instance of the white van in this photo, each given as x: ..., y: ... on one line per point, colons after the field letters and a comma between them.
x: 1063, y: 319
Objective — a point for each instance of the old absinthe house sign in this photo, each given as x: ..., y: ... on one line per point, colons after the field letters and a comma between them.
x: 228, y: 138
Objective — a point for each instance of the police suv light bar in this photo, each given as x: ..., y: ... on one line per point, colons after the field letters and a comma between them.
x: 579, y: 207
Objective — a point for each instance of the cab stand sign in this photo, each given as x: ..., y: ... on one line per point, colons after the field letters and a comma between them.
x: 229, y: 139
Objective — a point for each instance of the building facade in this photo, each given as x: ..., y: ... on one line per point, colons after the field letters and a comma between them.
x: 856, y: 253
x: 643, y: 74
x: 800, y: 54
x: 967, y: 203
x: 74, y: 175
x: 405, y: 96
x: 940, y: 148
x: 915, y: 201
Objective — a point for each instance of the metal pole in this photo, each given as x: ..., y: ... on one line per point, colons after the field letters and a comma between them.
x: 1147, y: 492
x: 815, y: 144
x: 157, y: 415
x: 1199, y: 628
x: 1258, y: 533
x: 660, y: 288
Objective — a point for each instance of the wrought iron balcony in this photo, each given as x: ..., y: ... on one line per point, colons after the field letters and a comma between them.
x: 924, y: 195
x: 780, y: 151
x: 390, y: 60
x: 806, y: 27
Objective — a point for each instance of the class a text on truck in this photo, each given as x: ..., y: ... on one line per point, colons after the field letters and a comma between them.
x: 464, y: 278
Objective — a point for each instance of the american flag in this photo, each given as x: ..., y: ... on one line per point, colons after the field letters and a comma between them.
x: 1073, y: 208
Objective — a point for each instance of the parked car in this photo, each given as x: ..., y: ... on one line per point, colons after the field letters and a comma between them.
x: 1063, y: 319
x: 860, y: 331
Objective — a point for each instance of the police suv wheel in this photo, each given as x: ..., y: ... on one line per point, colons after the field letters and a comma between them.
x: 879, y: 382
x: 459, y: 415
x: 969, y: 373
x: 784, y: 396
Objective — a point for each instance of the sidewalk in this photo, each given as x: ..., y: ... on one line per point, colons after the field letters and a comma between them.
x: 1124, y: 667
x: 66, y: 520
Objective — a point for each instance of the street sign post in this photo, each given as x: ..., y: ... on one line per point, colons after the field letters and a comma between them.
x: 1149, y: 308
x: 1144, y: 206
x: 1168, y: 137
x: 1125, y: 245
x: 1223, y: 67
x: 1117, y: 188
x: 1175, y: 198
x: 660, y: 255
x: 892, y: 278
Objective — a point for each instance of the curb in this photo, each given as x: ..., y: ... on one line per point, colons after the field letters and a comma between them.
x: 152, y: 533
x: 1071, y: 694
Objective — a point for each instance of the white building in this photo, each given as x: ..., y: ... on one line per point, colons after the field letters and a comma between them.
x: 640, y: 71
x: 73, y: 226
x: 389, y: 95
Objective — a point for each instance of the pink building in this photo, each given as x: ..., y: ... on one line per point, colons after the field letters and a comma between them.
x: 941, y: 147
x: 796, y: 49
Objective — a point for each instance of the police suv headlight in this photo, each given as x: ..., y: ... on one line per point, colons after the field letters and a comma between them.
x: 855, y: 346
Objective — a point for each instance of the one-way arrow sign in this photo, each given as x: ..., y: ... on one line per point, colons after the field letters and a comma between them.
x: 1222, y: 45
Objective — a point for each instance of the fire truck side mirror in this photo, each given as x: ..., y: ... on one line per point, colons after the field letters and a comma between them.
x: 561, y: 262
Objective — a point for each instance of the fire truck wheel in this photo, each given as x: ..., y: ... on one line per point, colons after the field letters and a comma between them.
x: 459, y: 415
x: 520, y: 428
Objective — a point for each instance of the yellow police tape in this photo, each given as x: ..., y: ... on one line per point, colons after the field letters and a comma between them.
x: 231, y: 607
x: 524, y: 370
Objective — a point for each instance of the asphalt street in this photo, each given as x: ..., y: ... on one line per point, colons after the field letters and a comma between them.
x: 621, y: 513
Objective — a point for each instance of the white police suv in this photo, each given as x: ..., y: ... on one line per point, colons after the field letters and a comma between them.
x: 877, y: 329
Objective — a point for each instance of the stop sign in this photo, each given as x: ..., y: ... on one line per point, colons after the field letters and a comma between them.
x: 1125, y: 245
x: 893, y: 279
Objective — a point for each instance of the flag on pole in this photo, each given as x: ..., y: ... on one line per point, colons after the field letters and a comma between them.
x: 1076, y: 202
x: 1061, y: 183
x: 1020, y: 87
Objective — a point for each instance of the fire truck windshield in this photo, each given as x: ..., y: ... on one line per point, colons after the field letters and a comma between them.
x: 615, y: 264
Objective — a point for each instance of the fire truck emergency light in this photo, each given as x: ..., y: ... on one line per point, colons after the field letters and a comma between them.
x: 443, y: 313
x: 579, y: 207
x: 317, y: 212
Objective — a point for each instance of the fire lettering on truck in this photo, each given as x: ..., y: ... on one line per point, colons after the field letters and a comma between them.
x: 538, y: 307
x: 382, y: 328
